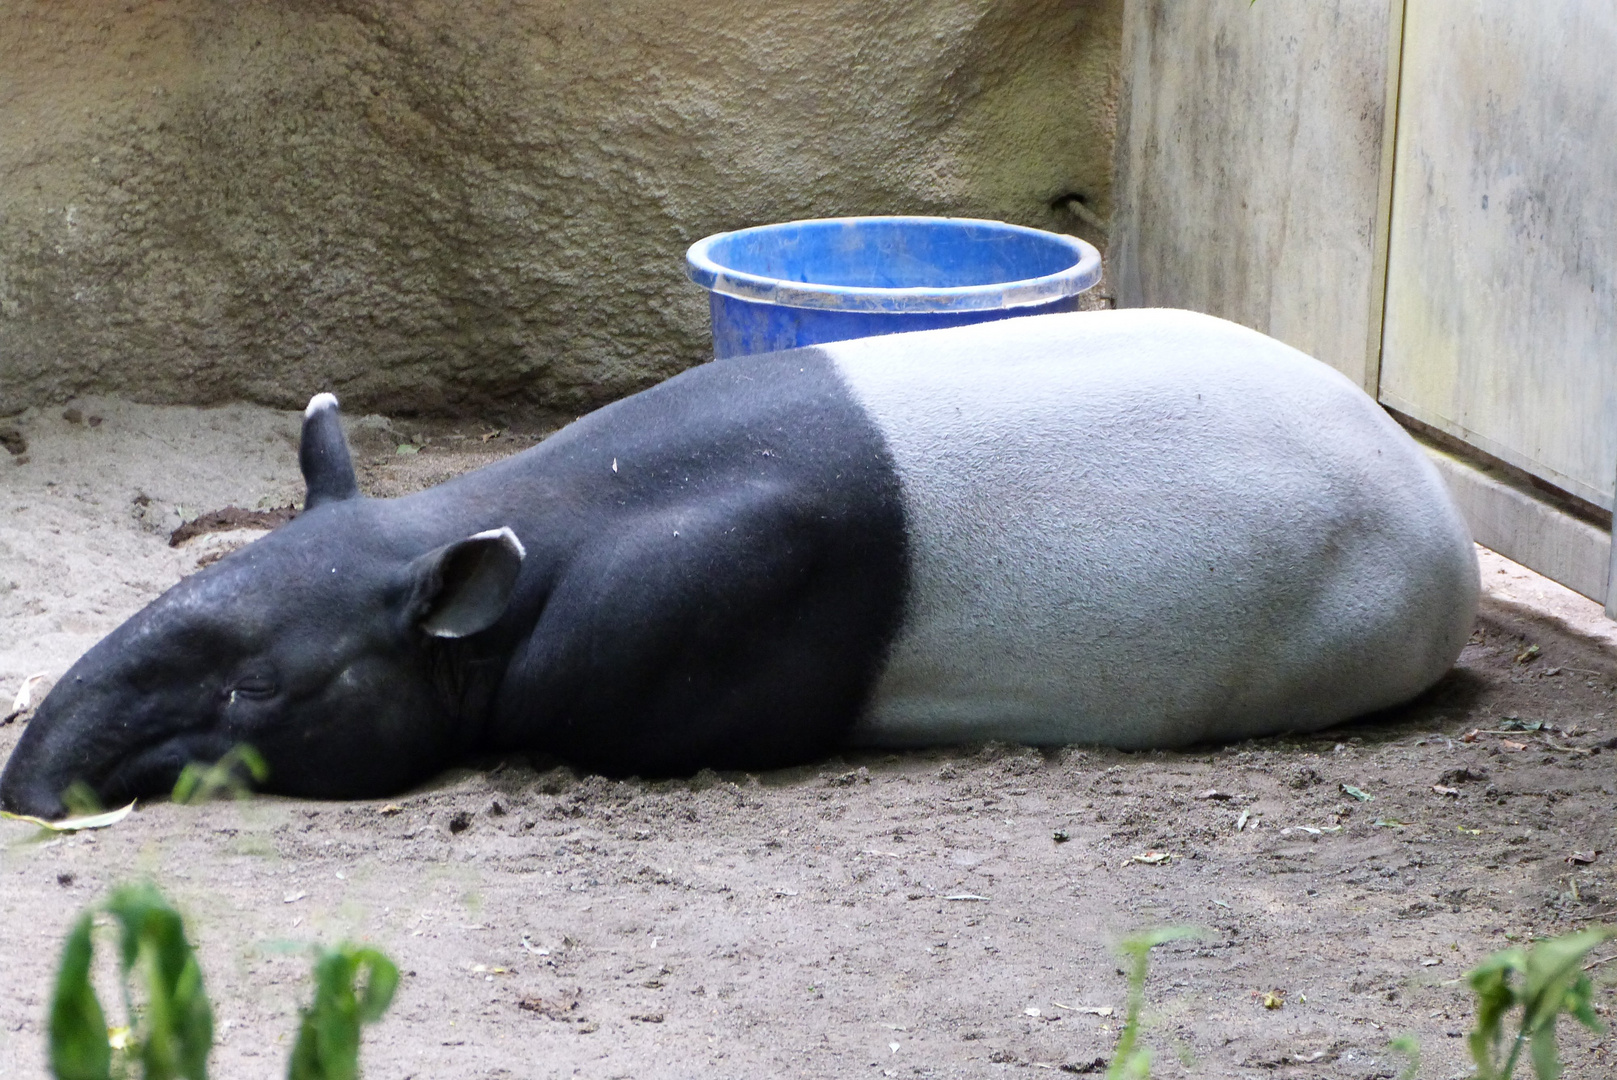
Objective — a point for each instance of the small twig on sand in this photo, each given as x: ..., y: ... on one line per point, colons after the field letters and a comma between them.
x: 1592, y: 918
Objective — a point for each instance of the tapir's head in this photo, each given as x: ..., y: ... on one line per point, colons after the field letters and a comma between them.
x: 327, y: 646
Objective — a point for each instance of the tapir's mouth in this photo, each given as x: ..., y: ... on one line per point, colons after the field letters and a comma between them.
x: 148, y: 771
x: 154, y: 769
x: 16, y: 798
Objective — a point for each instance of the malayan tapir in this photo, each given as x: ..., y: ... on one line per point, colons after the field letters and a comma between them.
x: 1134, y: 528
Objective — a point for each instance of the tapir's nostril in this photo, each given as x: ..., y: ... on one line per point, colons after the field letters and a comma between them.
x: 24, y: 791
x: 36, y: 801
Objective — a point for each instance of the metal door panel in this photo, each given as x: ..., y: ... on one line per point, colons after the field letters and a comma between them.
x: 1249, y: 148
x: 1501, y: 305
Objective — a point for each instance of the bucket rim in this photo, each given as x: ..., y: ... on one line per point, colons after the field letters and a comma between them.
x: 1084, y: 272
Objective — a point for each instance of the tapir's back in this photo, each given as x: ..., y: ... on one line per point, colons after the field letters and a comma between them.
x: 1147, y: 528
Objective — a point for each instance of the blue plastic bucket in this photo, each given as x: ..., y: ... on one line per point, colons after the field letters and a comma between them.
x: 806, y: 282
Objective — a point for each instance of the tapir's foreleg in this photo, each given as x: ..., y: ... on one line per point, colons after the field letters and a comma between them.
x: 736, y: 632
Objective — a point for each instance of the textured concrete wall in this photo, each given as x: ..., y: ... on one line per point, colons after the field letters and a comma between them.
x: 443, y: 207
x: 1249, y: 164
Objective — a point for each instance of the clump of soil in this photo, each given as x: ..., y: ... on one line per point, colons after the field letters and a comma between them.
x: 951, y: 913
x: 230, y: 519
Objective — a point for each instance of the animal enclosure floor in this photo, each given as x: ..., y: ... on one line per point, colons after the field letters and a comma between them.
x: 943, y: 914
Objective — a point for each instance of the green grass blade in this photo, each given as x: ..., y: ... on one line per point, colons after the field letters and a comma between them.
x: 1543, y: 982
x: 1491, y: 983
x: 176, y: 1033
x: 1409, y: 1047
x: 305, y: 1062
x: 1129, y: 1062
x: 328, y: 1042
x: 1542, y: 1049
x: 78, y: 1027
x: 233, y: 775
x: 382, y: 979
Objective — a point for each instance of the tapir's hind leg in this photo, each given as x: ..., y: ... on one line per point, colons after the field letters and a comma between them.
x: 743, y: 632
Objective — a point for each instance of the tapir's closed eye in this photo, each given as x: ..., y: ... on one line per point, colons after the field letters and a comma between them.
x: 254, y: 685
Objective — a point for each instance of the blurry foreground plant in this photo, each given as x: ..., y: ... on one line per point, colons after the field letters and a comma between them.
x: 1409, y: 1047
x: 328, y: 1038
x: 234, y: 775
x: 1131, y: 1062
x: 171, y: 1032
x: 80, y: 800
x: 1543, y: 981
x: 169, y: 1023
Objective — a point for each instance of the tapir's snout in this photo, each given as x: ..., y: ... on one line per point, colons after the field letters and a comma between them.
x: 34, y: 798
x: 28, y: 788
x: 64, y: 745
x: 102, y: 746
x: 70, y: 743
x: 124, y: 719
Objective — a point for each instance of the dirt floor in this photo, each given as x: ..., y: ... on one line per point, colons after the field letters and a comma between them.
x: 948, y: 914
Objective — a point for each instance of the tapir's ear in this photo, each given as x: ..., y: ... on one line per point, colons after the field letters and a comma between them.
x: 323, y: 455
x: 464, y: 587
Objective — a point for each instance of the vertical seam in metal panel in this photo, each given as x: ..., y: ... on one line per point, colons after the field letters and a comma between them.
x: 1383, y: 235
x: 1122, y: 243
x: 1611, y: 571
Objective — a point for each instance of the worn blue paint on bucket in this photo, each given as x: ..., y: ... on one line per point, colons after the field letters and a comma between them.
x: 807, y: 282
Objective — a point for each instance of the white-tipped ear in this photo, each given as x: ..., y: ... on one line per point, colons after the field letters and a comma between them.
x: 323, y: 455
x: 464, y: 587
x: 505, y: 536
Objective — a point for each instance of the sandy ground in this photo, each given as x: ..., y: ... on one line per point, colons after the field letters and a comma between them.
x: 947, y: 914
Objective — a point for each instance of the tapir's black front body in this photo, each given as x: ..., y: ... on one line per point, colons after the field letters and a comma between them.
x: 713, y: 572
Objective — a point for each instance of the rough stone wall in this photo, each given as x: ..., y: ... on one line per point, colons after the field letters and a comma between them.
x: 445, y: 207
